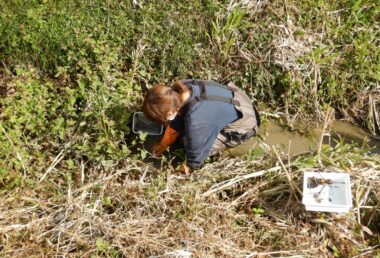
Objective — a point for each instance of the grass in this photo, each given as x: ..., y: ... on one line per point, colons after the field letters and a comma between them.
x: 71, y: 178
x: 141, y: 211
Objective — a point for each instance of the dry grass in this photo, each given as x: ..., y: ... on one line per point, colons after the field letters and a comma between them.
x: 366, y: 110
x: 141, y: 211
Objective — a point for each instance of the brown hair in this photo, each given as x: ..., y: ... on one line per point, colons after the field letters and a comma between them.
x: 160, y: 99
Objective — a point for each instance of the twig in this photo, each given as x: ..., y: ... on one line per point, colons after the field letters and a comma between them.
x: 82, y: 172
x: 322, y: 221
x: 236, y: 201
x: 21, y: 226
x: 15, y: 150
x: 256, y: 254
x: 6, y: 68
x: 143, y: 176
x: 290, y: 180
x: 325, y: 124
x: 99, y: 181
x: 275, y: 115
x: 232, y: 181
x: 368, y: 251
x: 58, y: 242
x: 56, y: 161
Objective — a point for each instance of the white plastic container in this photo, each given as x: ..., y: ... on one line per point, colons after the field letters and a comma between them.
x: 330, y: 192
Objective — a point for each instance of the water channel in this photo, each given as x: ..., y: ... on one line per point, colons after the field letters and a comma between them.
x: 294, y: 143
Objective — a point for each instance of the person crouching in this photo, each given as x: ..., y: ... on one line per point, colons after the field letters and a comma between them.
x: 208, y: 115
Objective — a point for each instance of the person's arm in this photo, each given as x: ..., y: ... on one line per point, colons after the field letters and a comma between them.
x: 199, y: 141
x: 170, y: 136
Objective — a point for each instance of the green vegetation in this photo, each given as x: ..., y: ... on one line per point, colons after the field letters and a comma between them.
x: 72, y: 73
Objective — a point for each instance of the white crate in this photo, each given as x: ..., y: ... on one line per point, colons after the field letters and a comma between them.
x: 330, y: 192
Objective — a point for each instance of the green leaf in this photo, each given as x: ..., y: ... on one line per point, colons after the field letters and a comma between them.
x: 70, y: 163
x: 258, y: 211
x: 107, y: 163
x: 29, y: 182
x: 102, y: 245
x: 143, y: 136
x: 143, y: 154
x: 107, y: 200
x: 3, y: 172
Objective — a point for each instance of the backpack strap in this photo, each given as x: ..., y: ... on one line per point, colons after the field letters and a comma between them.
x: 214, y: 84
x: 204, y: 96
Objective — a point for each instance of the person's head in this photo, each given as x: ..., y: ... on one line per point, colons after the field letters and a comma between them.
x: 162, y: 103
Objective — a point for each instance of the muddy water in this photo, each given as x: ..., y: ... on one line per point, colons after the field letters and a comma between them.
x: 294, y: 143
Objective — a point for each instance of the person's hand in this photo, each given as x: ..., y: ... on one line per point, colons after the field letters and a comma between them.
x: 184, y: 169
x: 158, y: 149
x: 168, y: 139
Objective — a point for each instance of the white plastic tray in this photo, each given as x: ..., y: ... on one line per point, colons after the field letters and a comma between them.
x: 330, y: 192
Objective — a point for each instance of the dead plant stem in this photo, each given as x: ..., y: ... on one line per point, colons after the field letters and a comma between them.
x: 290, y: 180
x: 56, y: 160
x: 326, y: 123
x: 15, y: 150
x: 230, y: 182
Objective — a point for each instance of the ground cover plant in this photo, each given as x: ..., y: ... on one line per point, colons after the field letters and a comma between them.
x: 72, y: 180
